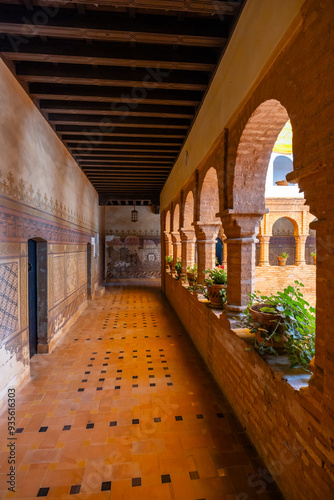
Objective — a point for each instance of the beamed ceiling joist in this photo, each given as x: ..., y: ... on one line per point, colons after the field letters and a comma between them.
x: 120, y: 81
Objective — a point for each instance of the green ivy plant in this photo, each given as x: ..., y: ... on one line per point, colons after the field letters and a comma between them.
x: 216, y: 276
x: 297, y: 318
x: 192, y: 269
x: 178, y: 266
x: 169, y: 259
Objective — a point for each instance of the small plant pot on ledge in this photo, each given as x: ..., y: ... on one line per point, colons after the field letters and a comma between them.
x: 281, y: 261
x: 191, y: 277
x: 214, y: 294
x: 268, y: 321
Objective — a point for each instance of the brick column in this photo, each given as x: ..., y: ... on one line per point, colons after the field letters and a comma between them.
x: 176, y: 243
x: 206, y: 235
x: 225, y: 252
x: 188, y: 242
x: 241, y: 230
x: 300, y: 249
x: 264, y: 250
x: 167, y: 243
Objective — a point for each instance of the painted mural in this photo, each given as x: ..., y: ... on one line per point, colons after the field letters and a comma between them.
x: 133, y: 256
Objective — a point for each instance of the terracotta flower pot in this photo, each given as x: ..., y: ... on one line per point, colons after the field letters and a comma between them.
x: 191, y: 277
x: 214, y: 294
x: 268, y: 321
x: 314, y: 257
x: 281, y: 261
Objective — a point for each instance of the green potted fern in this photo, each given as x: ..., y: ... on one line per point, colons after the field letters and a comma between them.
x: 216, y: 283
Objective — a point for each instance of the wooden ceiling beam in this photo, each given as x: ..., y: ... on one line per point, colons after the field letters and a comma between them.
x: 111, y: 54
x: 158, y: 141
x: 117, y: 151
x: 149, y: 78
x: 117, y: 95
x: 105, y: 109
x: 199, y: 7
x: 60, y: 119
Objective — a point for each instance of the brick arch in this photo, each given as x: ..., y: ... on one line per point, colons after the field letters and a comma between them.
x: 167, y: 222
x: 209, y: 197
x: 176, y: 218
x: 253, y: 154
x: 188, y: 211
x: 296, y: 229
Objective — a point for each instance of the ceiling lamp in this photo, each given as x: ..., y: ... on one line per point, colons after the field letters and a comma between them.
x: 134, y: 215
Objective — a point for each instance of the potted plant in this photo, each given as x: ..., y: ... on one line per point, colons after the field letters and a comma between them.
x: 282, y: 258
x: 283, y: 322
x: 178, y: 266
x: 169, y: 262
x: 216, y: 283
x: 192, y: 274
x: 314, y: 257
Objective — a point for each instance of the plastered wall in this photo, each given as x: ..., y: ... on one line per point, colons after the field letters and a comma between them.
x: 44, y: 196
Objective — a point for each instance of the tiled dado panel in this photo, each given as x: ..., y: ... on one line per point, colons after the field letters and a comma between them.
x: 14, y: 351
x: 67, y: 283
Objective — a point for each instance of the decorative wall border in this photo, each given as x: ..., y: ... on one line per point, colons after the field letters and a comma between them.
x: 18, y: 191
x: 140, y: 234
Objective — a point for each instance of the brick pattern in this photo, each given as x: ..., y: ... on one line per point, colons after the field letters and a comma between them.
x: 283, y: 423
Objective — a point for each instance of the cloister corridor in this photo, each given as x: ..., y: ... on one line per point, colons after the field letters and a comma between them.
x: 124, y: 408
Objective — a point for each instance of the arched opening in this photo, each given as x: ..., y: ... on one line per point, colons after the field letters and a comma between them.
x: 37, y: 295
x: 89, y: 271
x: 176, y: 219
x: 188, y: 215
x: 310, y: 246
x: 282, y: 240
x: 209, y: 198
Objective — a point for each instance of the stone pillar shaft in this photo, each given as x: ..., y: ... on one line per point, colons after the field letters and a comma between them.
x: 241, y: 230
x: 206, y: 235
x: 264, y: 250
x: 188, y: 243
x: 300, y: 249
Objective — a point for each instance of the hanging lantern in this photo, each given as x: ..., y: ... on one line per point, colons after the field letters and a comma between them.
x: 134, y: 215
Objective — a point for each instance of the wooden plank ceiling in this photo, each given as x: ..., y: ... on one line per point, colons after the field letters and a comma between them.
x: 120, y: 81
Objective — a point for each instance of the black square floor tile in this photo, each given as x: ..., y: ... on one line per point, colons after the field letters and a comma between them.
x: 43, y: 492
x: 134, y: 376
x: 136, y: 481
x: 43, y: 429
x: 135, y: 420
x: 90, y: 426
x: 194, y: 475
x: 84, y: 380
x: 99, y: 388
x: 113, y: 423
x: 103, y: 371
x: 178, y: 417
x: 119, y: 371
x: 157, y: 419
x: 101, y: 379
x: 169, y: 383
x: 134, y: 385
x: 168, y: 375
x: 165, y: 478
x: 87, y: 373
x: 19, y: 430
x: 106, y: 486
x: 152, y: 385
x: 75, y: 489
x: 199, y: 416
x: 151, y: 376
x: 117, y: 386
x: 67, y: 427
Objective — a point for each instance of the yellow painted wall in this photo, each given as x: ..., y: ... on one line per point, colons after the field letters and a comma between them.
x: 260, y: 33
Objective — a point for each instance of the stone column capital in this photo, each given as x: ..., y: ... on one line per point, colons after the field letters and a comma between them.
x: 175, y: 237
x: 187, y: 234
x: 264, y: 239
x: 241, y: 224
x: 207, y: 231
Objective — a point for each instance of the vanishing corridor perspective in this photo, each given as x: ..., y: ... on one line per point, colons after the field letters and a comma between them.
x: 161, y: 161
x: 124, y: 408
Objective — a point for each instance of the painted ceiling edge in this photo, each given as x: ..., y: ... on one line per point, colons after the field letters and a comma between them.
x: 180, y: 175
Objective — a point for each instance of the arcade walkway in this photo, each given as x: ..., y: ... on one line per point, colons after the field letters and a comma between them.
x: 125, y: 409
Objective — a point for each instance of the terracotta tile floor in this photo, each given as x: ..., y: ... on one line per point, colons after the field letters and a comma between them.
x: 124, y: 408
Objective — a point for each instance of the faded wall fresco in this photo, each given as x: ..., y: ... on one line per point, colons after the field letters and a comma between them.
x: 133, y: 249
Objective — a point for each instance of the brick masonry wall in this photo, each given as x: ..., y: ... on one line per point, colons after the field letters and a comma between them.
x: 284, y: 424
x: 269, y: 279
